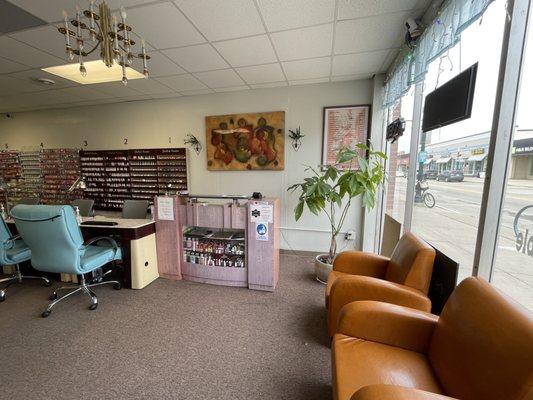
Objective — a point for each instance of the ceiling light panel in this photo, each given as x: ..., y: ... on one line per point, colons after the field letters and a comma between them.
x: 97, y: 72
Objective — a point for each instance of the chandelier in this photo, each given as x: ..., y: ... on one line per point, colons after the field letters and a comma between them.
x: 105, y: 33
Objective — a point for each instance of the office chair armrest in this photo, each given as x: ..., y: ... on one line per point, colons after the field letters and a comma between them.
x: 382, y: 391
x: 112, y: 241
x: 388, y: 324
x: 361, y: 263
x: 9, y: 243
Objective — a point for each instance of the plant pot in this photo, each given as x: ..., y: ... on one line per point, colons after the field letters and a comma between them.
x: 322, y: 268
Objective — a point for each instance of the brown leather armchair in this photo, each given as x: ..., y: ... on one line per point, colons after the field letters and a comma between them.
x: 481, y: 347
x: 402, y: 279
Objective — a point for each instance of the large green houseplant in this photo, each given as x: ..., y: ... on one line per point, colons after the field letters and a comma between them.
x: 357, y: 172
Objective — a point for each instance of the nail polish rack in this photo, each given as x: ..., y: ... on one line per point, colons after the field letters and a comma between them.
x: 113, y: 176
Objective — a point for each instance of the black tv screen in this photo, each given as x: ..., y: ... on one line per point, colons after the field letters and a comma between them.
x: 452, y: 102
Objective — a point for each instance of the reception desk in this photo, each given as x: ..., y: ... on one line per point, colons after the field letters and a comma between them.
x: 221, y: 240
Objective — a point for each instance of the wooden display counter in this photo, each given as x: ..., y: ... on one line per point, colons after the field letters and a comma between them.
x: 233, y: 243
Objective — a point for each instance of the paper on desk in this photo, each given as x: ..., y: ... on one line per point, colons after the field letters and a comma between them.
x: 165, y: 208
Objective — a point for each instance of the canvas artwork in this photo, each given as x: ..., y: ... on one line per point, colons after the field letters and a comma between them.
x: 240, y: 142
x: 344, y: 126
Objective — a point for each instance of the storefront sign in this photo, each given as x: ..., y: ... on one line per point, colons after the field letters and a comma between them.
x: 524, y: 237
x: 523, y: 146
x: 477, y: 151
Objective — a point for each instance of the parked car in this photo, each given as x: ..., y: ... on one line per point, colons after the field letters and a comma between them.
x: 451, y: 176
x: 430, y: 174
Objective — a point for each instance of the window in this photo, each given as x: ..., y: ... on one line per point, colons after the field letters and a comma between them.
x: 453, y: 159
x: 513, y: 269
x: 398, y: 159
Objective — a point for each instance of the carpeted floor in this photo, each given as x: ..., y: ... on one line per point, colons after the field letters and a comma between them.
x: 171, y: 340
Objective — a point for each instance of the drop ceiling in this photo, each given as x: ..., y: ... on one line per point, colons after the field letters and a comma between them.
x: 206, y: 46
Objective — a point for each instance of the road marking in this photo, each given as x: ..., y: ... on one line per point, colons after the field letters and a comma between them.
x: 447, y: 209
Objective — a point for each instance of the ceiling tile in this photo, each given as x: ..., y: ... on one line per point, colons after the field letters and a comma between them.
x: 46, y: 38
x: 223, y: 19
x: 7, y: 66
x: 163, y: 26
x: 197, y: 58
x: 268, y: 85
x: 361, y: 63
x: 27, y: 55
x: 10, y: 85
x: 393, y: 53
x: 232, y: 89
x: 33, y: 74
x: 166, y: 95
x: 182, y: 82
x: 356, y: 77
x: 220, y: 78
x: 148, y: 86
x: 262, y: 73
x: 115, y: 89
x: 289, y: 14
x: 247, y: 51
x: 368, y: 34
x: 49, y: 10
x: 83, y: 93
x: 159, y: 65
x: 349, y: 9
x: 13, y: 18
x: 310, y: 42
x: 308, y: 81
x: 196, y: 92
x: 307, y: 69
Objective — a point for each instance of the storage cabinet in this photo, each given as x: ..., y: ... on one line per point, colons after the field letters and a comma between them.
x: 219, y: 243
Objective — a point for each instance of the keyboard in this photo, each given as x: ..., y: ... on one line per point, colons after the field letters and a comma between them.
x: 101, y: 223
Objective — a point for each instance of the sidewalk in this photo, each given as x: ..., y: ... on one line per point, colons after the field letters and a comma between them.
x: 521, y: 183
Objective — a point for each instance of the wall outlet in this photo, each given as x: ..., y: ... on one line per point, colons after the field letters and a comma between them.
x: 350, y: 235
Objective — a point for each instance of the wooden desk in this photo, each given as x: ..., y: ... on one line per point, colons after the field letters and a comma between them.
x: 137, y: 239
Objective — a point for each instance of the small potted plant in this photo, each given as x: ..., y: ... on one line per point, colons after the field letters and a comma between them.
x: 332, y: 190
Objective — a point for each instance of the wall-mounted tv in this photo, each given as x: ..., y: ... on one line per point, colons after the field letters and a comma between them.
x: 452, y: 102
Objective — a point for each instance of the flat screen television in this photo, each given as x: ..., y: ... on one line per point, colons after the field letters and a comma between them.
x: 452, y: 102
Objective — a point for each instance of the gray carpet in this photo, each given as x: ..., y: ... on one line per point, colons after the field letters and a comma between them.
x: 171, y: 340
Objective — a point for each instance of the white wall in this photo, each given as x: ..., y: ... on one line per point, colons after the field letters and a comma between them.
x: 150, y: 123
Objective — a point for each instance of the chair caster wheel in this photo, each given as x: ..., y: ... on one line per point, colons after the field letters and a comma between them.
x: 53, y: 296
x: 117, y: 286
x: 93, y: 306
x: 45, y: 314
x: 2, y: 296
x: 47, y: 283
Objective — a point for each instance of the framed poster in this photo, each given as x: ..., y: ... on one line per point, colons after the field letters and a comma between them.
x: 344, y: 126
x: 240, y: 142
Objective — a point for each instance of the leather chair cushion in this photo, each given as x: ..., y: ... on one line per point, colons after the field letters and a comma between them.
x: 358, y: 363
x: 96, y: 256
x: 331, y: 278
x: 20, y: 252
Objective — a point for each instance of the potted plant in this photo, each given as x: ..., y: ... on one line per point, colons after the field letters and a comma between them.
x: 332, y: 190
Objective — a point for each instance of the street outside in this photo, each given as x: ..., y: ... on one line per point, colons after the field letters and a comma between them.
x: 451, y: 226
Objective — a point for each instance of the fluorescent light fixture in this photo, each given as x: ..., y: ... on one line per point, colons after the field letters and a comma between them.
x: 97, y: 72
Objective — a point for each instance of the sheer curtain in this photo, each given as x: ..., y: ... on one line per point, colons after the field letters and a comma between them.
x: 443, y: 33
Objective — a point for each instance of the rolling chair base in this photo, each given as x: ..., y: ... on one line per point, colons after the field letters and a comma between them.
x: 83, y: 287
x: 18, y: 277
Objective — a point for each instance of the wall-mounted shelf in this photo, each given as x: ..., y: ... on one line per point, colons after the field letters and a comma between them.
x: 113, y: 176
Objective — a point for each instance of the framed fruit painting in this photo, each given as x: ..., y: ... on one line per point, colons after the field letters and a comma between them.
x: 241, y: 142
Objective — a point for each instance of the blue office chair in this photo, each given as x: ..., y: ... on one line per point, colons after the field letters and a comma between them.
x: 13, y: 251
x: 56, y: 244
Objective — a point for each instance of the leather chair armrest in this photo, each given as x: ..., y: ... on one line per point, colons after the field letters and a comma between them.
x: 380, y: 392
x: 388, y: 324
x: 349, y: 288
x: 361, y: 263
